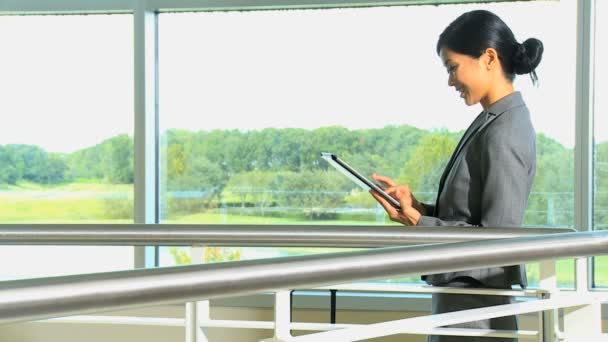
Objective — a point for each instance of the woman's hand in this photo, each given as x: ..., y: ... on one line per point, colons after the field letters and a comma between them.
x: 411, y: 209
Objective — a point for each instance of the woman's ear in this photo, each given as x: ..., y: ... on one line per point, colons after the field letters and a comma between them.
x: 491, y: 58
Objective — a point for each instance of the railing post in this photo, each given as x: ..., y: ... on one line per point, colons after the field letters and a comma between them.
x: 197, y: 312
x: 548, y: 282
x: 541, y: 317
x: 582, y: 274
x: 282, y: 317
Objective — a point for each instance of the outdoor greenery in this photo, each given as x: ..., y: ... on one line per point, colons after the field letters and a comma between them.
x: 269, y: 176
x: 279, y: 172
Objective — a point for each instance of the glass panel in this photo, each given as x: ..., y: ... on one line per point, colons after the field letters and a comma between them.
x: 250, y: 99
x: 600, y: 217
x: 66, y: 147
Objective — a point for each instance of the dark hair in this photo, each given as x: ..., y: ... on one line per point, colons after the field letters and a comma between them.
x: 473, y: 32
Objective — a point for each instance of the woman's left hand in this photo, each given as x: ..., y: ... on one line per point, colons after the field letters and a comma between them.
x: 409, y: 215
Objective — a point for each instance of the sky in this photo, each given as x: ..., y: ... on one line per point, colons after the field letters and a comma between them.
x: 67, y: 82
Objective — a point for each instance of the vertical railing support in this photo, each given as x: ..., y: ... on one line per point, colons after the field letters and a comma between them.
x: 197, y: 312
x: 282, y: 317
x: 548, y: 281
x: 282, y: 312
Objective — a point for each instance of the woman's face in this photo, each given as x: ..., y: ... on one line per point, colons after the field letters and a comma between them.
x: 468, y: 75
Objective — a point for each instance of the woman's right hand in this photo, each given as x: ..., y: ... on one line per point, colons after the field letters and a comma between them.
x: 411, y: 209
x: 387, y: 182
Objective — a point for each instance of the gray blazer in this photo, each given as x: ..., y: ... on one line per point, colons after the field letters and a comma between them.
x: 487, y: 182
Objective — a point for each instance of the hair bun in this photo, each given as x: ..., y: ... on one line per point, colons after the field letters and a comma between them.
x: 527, y: 56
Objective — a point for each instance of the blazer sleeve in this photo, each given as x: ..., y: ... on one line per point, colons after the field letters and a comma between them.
x: 507, y: 166
x: 429, y: 209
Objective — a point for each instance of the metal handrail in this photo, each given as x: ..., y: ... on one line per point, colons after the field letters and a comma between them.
x: 33, y: 299
x: 250, y: 235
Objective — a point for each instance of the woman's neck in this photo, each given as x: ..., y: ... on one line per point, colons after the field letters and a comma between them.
x: 496, y: 93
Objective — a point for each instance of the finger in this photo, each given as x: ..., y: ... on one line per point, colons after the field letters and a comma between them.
x: 400, y: 193
x: 393, y: 192
x: 378, y: 182
x: 384, y: 179
x: 397, y: 192
x: 391, y: 211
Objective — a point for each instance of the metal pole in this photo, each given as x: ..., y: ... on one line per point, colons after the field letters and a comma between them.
x: 33, y: 299
x: 250, y: 235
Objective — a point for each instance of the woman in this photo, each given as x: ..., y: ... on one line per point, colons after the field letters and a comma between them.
x: 489, y: 176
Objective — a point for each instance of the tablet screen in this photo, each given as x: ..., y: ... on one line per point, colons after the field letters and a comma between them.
x: 362, y: 181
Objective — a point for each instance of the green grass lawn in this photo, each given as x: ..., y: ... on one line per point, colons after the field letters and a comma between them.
x: 79, y: 202
x: 217, y: 218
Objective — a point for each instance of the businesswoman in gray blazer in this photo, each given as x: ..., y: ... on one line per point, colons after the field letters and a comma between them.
x: 488, y: 179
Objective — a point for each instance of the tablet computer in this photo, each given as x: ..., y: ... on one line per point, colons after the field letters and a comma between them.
x: 362, y: 181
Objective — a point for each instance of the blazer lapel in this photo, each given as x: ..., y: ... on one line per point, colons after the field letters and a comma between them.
x: 475, y: 127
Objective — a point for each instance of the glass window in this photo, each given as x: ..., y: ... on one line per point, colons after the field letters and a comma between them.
x: 66, y: 141
x: 248, y: 100
x: 600, y: 217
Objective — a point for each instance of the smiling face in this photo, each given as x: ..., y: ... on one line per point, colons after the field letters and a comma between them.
x: 469, y: 76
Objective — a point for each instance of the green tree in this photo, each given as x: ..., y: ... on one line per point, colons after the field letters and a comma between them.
x: 551, y: 201
x: 86, y: 163
x: 31, y: 163
x: 201, y: 178
x: 212, y: 254
x: 601, y: 186
x: 8, y: 170
x: 314, y: 194
x: 117, y: 159
x: 429, y: 158
x: 252, y: 189
x: 55, y: 169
